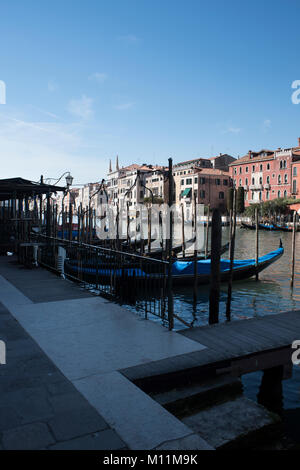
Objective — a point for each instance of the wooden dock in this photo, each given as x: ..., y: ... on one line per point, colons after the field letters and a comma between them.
x: 235, y: 348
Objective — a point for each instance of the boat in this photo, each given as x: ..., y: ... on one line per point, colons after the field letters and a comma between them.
x: 248, y: 226
x: 182, y: 271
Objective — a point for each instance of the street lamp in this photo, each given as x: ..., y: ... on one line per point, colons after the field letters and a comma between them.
x: 69, y: 180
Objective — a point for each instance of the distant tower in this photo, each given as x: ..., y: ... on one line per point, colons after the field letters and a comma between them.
x: 117, y: 163
x: 110, y: 168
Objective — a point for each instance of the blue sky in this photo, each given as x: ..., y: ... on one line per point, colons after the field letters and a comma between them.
x: 87, y: 80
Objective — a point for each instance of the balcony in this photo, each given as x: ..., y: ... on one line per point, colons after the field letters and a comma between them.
x: 267, y: 186
x: 246, y: 187
x: 256, y: 187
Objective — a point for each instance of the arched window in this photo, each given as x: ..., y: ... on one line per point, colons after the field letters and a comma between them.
x: 268, y: 179
x: 278, y: 194
x: 260, y: 195
x: 253, y: 181
x: 260, y: 180
x: 268, y: 166
x: 285, y: 178
x: 240, y: 182
x: 246, y: 181
x: 267, y: 195
x: 285, y: 194
x: 240, y: 170
x: 260, y: 168
x: 279, y: 179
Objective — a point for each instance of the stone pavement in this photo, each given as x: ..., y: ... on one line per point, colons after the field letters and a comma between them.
x: 62, y: 387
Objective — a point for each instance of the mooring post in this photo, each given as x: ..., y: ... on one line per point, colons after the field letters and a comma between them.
x: 182, y: 231
x: 231, y: 251
x: 70, y: 221
x: 256, y: 242
x: 293, y: 249
x: 207, y: 232
x: 149, y: 230
x: 195, y: 255
x: 48, y: 223
x: 214, y: 295
x: 170, y: 293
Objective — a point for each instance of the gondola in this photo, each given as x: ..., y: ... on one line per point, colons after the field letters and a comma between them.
x: 182, y: 271
x: 248, y: 226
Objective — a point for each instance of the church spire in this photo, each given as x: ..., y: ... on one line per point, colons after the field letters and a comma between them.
x: 110, y: 168
x: 117, y: 163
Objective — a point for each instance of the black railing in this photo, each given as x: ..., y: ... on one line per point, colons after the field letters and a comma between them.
x: 127, y: 278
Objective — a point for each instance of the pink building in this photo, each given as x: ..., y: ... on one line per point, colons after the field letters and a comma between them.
x: 268, y: 174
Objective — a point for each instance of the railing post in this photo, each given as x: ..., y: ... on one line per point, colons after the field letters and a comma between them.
x: 214, y: 296
x: 170, y: 293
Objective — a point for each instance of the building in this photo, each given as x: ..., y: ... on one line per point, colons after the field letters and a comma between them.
x: 222, y: 161
x: 268, y: 174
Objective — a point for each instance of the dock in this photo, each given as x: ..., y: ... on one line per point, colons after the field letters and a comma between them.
x: 127, y: 373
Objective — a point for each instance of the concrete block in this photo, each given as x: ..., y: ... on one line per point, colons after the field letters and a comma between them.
x: 29, y: 437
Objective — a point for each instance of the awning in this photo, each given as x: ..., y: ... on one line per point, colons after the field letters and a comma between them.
x: 186, y: 192
x: 19, y: 188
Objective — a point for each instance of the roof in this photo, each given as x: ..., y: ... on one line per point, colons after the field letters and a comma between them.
x: 19, y: 188
x: 190, y: 161
x: 211, y: 171
x: 256, y: 156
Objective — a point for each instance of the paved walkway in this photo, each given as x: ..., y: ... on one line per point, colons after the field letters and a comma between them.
x: 62, y: 386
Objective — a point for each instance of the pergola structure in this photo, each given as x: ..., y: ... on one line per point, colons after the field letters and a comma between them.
x: 21, y: 206
x: 19, y: 188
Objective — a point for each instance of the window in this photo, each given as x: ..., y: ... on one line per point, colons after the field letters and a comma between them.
x: 260, y: 180
x: 202, y: 194
x: 221, y: 195
x: 295, y: 171
x: 285, y: 178
x: 268, y: 166
x: 284, y: 164
x: 260, y: 168
x: 202, y: 180
x: 268, y: 179
x: 285, y: 194
x: 279, y: 179
x: 189, y: 181
x: 253, y: 168
x: 240, y: 170
x: 218, y: 182
x: 267, y: 195
x: 225, y: 182
x: 246, y: 169
x: 260, y: 195
x: 253, y: 181
x: 246, y: 181
x: 280, y: 164
x: 196, y: 180
x: 278, y: 194
x: 235, y: 170
x: 240, y: 182
x: 294, y: 186
x: 182, y: 182
x: 252, y: 195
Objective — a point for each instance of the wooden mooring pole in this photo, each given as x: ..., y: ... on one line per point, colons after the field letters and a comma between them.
x: 214, y: 295
x: 207, y: 232
x: 195, y: 255
x: 256, y: 242
x: 231, y: 252
x: 293, y: 249
x: 182, y: 231
x: 170, y: 264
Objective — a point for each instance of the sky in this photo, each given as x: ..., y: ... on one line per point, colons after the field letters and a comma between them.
x: 145, y: 80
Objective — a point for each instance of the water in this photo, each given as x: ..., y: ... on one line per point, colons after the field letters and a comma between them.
x: 271, y: 294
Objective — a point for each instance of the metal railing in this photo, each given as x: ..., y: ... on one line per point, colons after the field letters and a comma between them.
x: 127, y: 278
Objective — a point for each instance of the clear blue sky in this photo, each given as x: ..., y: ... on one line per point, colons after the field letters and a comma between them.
x: 146, y: 80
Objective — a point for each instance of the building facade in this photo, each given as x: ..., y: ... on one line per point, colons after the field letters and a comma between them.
x: 267, y: 174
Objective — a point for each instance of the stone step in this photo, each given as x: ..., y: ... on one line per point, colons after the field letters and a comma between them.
x: 188, y: 399
x: 238, y: 423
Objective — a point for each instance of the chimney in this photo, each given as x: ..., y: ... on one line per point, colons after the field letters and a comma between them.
x: 249, y: 153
